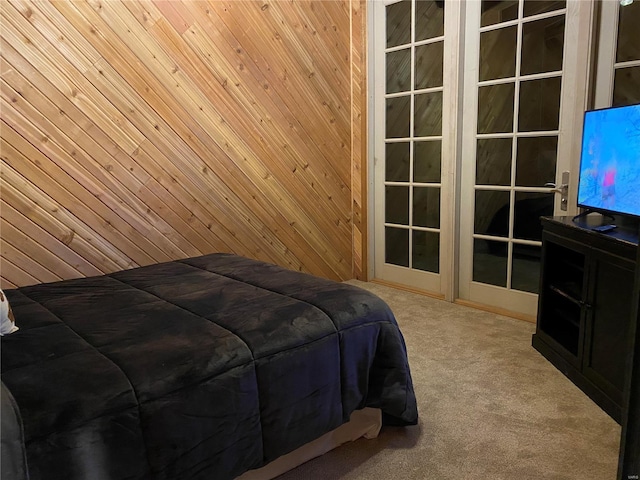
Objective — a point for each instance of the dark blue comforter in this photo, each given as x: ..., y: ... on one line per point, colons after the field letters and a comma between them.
x: 199, y: 368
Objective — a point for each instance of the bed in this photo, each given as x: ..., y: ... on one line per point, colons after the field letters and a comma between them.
x: 207, y: 367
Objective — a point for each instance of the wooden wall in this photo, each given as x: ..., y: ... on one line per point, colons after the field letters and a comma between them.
x: 136, y: 132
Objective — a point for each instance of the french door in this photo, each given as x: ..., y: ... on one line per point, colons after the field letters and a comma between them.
x: 469, y: 136
x: 415, y: 61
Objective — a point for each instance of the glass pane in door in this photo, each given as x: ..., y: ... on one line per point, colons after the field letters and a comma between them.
x: 492, y: 213
x: 399, y: 23
x: 498, y: 53
x: 493, y: 164
x: 426, y: 251
x: 628, y: 44
x: 396, y: 246
x: 536, y: 160
x: 529, y: 207
x: 525, y: 273
x: 498, y: 11
x: 398, y: 117
x: 399, y: 71
x: 397, y: 205
x: 535, y: 7
x: 495, y: 108
x: 626, y: 83
x: 429, y: 20
x: 625, y: 86
x: 426, y: 207
x: 428, y: 114
x: 429, y: 60
x: 426, y: 161
x: 490, y: 262
x: 542, y: 45
x: 539, y: 104
x: 397, y: 162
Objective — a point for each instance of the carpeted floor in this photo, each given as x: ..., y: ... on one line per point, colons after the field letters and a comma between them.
x: 491, y: 407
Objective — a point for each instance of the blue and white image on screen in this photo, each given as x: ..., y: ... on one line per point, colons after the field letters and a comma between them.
x: 610, y: 163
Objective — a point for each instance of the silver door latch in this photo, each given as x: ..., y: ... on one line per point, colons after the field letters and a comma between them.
x: 562, y: 189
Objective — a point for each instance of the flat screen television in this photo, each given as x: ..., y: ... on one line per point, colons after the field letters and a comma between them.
x: 609, y: 180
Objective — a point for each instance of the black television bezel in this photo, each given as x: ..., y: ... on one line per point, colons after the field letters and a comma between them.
x: 590, y: 208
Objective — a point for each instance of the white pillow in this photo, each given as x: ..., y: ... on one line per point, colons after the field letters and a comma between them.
x: 7, y: 322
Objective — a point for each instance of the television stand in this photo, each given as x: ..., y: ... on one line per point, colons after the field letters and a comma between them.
x: 584, y: 312
x: 590, y: 210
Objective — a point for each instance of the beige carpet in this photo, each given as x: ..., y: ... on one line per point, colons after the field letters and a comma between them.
x: 491, y: 407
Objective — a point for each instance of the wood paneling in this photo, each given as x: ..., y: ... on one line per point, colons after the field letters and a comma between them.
x: 142, y: 131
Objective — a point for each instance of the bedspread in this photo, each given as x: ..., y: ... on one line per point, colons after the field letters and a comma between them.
x: 198, y: 368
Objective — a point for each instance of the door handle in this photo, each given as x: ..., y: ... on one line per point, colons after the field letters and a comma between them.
x: 562, y: 189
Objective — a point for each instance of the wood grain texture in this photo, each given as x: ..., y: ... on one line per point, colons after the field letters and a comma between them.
x: 141, y: 131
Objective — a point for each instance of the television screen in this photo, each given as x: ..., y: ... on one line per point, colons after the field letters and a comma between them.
x: 610, y: 161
